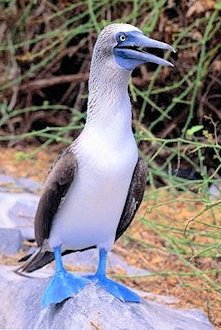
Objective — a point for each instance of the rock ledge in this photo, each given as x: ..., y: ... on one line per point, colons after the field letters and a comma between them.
x: 91, y: 309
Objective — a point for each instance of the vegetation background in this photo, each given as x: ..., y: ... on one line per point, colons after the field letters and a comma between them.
x: 45, y: 52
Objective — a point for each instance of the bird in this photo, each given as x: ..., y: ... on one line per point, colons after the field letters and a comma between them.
x: 96, y: 185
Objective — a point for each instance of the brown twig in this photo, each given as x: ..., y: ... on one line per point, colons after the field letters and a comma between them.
x: 206, y: 208
x: 43, y: 83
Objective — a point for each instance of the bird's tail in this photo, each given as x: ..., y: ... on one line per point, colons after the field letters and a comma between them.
x: 40, y: 258
x: 34, y: 261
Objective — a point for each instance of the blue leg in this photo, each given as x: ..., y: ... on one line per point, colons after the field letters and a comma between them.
x: 118, y: 290
x: 63, y: 285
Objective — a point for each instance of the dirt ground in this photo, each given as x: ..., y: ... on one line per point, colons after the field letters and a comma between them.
x: 149, y: 243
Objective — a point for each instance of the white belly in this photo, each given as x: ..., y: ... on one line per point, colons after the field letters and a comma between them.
x: 94, y: 203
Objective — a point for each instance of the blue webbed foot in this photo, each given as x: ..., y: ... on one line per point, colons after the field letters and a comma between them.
x: 118, y: 290
x: 63, y: 285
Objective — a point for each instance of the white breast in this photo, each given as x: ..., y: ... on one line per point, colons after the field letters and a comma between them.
x: 94, y: 203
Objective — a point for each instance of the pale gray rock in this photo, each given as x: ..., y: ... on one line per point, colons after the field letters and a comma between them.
x: 10, y: 241
x: 215, y: 190
x: 92, y: 308
x: 88, y: 261
x: 18, y: 211
x: 28, y: 184
x: 8, y: 183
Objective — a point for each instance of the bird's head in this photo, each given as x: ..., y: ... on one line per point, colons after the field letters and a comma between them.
x: 127, y: 47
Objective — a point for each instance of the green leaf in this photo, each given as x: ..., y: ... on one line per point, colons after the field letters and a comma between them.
x: 20, y: 155
x: 191, y: 131
x: 218, y: 5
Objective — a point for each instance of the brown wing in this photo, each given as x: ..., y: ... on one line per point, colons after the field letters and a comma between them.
x: 134, y: 197
x: 56, y: 185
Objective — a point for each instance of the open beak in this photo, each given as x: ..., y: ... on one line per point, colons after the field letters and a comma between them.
x: 138, y: 47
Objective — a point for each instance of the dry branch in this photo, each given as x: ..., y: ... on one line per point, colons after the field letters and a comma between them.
x: 43, y: 83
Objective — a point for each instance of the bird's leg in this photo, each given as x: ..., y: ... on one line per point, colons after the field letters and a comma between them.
x: 63, y: 284
x: 101, y: 270
x: 116, y: 289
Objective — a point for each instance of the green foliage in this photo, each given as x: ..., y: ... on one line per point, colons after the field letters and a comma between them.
x: 167, y: 103
x: 218, y: 5
x: 170, y: 106
x: 194, y: 129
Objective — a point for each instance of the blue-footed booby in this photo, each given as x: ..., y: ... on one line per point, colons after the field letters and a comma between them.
x: 96, y: 185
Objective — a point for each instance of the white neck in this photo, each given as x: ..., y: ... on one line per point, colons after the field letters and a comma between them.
x: 108, y: 102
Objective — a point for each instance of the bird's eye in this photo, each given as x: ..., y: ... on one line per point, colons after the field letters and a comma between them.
x: 122, y: 37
